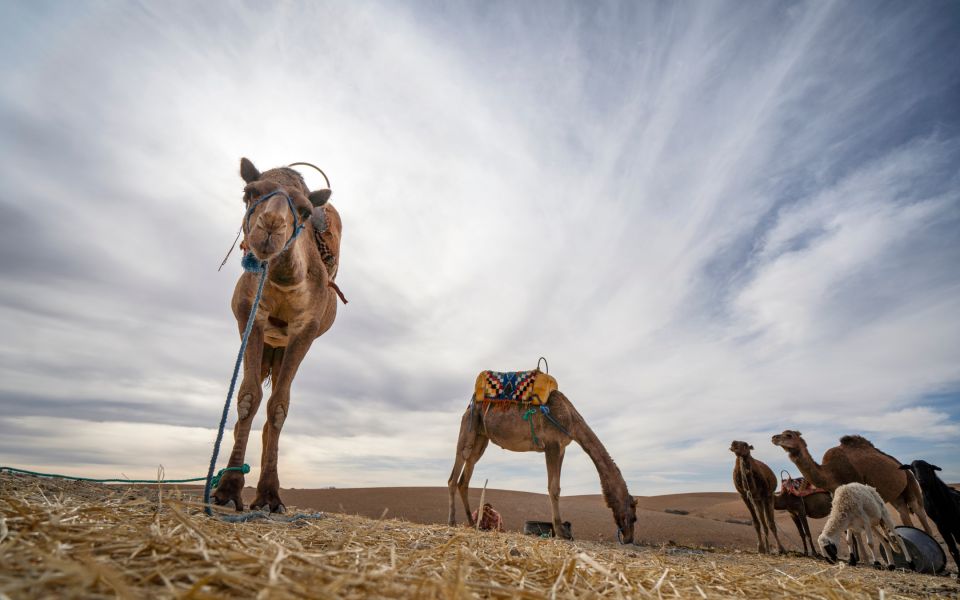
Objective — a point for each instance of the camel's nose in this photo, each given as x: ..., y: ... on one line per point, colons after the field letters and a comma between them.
x: 271, y: 221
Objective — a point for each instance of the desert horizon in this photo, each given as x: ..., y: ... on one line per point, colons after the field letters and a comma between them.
x: 716, y: 519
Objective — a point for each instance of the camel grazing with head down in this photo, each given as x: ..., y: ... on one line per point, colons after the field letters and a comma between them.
x: 298, y: 305
x: 548, y: 431
x: 757, y: 485
x: 856, y: 460
x: 802, y: 500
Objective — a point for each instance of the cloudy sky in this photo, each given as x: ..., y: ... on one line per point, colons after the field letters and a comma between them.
x: 717, y: 220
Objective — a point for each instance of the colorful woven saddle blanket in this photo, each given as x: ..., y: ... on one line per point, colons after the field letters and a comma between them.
x: 523, y: 387
x: 799, y: 487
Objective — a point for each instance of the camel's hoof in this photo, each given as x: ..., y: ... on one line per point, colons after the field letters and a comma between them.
x: 268, y: 500
x: 877, y: 565
x: 237, y: 503
x: 274, y: 507
x: 891, y: 567
x: 912, y: 565
x: 231, y: 484
x: 852, y: 562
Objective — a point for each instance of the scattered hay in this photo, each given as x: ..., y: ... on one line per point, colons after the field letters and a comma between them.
x: 71, y: 539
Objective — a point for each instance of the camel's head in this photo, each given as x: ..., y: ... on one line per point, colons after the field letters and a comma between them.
x: 924, y: 472
x: 829, y: 547
x: 789, y: 440
x: 741, y: 449
x: 277, y: 202
x: 626, y: 518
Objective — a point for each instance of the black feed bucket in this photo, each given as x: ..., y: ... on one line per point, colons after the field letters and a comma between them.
x: 927, y: 555
x: 544, y: 528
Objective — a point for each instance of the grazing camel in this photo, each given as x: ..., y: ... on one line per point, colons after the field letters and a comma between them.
x: 299, y: 304
x: 803, y: 500
x: 512, y: 429
x: 856, y: 460
x: 757, y: 485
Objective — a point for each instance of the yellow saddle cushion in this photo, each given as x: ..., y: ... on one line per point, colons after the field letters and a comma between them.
x: 524, y: 387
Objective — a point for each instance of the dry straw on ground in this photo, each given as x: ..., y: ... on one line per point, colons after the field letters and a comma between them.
x: 68, y: 539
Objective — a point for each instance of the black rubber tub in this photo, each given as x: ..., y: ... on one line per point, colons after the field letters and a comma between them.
x: 927, y: 555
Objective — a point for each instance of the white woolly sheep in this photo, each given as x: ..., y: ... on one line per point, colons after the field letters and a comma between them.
x: 859, y: 508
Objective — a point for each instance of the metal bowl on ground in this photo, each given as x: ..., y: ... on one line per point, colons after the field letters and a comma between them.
x: 927, y: 555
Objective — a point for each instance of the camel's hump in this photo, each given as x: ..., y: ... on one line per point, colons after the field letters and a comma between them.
x: 856, y: 441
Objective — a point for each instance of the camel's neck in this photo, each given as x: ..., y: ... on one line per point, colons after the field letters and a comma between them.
x: 746, y: 467
x: 289, y: 268
x: 615, y: 491
x: 809, y: 468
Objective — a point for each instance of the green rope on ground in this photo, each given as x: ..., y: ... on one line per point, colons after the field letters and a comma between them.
x: 216, y: 479
x: 528, y: 416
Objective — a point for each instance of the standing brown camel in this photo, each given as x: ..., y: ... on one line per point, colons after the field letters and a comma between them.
x: 511, y: 430
x: 803, y: 500
x: 857, y: 460
x: 299, y: 304
x: 757, y: 485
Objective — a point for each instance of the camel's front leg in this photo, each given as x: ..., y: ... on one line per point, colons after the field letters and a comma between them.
x: 554, y: 455
x: 748, y: 501
x: 465, y: 441
x: 767, y: 507
x: 463, y: 484
x: 268, y: 488
x: 248, y: 400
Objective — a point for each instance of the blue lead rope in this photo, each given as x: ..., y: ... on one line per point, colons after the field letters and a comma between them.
x: 262, y: 267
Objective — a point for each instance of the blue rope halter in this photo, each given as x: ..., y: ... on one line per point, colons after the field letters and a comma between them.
x: 254, y: 265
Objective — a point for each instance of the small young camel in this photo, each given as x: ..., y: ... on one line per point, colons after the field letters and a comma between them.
x: 509, y: 430
x: 757, y: 485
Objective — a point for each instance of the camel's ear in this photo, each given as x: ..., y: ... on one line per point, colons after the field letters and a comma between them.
x: 751, y: 446
x: 935, y: 468
x: 248, y: 171
x: 904, y: 467
x: 320, y: 197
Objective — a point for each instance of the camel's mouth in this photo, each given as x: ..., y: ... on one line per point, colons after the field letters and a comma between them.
x: 266, y: 245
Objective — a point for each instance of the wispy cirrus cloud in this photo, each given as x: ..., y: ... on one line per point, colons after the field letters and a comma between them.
x: 716, y: 221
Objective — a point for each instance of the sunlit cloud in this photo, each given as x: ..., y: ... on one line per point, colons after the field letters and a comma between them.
x: 715, y: 220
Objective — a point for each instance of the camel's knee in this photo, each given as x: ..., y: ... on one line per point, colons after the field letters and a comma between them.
x: 245, y: 406
x: 277, y: 413
x: 278, y: 416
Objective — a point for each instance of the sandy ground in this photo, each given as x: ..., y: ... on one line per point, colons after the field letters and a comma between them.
x: 713, y: 519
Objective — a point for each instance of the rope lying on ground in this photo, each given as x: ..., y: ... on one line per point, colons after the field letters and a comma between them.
x: 216, y: 478
x: 262, y: 514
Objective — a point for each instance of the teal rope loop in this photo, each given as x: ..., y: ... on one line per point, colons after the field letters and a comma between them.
x: 245, y: 469
x: 528, y: 416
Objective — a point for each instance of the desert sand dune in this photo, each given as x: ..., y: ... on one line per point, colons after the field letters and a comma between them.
x: 714, y: 518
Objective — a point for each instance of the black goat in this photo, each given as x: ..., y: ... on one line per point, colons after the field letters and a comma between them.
x: 941, y: 502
